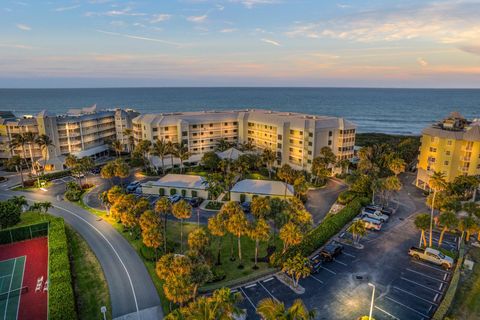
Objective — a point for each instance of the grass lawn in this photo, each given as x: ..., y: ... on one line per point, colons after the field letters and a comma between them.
x: 90, y: 286
x: 466, y: 304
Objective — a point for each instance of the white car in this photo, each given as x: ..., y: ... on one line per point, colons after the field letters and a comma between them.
x: 374, y: 214
x: 371, y: 224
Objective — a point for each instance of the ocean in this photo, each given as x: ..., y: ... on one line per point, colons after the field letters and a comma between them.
x: 395, y: 111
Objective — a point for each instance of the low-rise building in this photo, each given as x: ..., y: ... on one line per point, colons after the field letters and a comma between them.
x: 181, y: 184
x: 452, y: 147
x: 245, y: 190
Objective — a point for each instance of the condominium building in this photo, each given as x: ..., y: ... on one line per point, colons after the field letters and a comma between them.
x: 81, y: 132
x: 296, y: 138
x: 452, y: 147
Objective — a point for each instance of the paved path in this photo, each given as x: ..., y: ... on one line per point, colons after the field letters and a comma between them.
x: 320, y: 201
x: 130, y: 285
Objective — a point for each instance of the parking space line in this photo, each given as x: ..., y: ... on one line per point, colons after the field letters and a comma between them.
x: 431, y: 267
x: 440, y: 287
x: 246, y: 296
x: 424, y: 275
x: 436, y: 297
x: 333, y: 272
x: 387, y: 313
x: 251, y: 285
x: 271, y: 295
x: 407, y: 307
x: 315, y: 278
x: 348, y: 254
x: 421, y: 285
x: 445, y: 276
x: 269, y: 279
x: 414, y: 295
x: 340, y: 262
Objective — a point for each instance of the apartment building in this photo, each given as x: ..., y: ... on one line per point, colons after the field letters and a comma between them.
x: 452, y: 147
x: 296, y: 138
x: 81, y: 132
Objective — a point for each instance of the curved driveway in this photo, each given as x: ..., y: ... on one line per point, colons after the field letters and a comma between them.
x: 131, y: 288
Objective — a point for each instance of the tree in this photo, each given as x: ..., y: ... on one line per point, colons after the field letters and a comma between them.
x: 150, y: 225
x: 436, y: 183
x: 182, y: 153
x: 269, y: 157
x: 217, y: 227
x: 260, y: 207
x: 160, y: 149
x: 358, y: 230
x: 291, y: 235
x: 237, y: 224
x: 391, y: 185
x: 18, y: 141
x: 103, y: 197
x: 297, y: 267
x: 131, y: 141
x: 30, y: 138
x: 286, y: 174
x: 171, y: 148
x: 143, y: 148
x: 108, y: 171
x: 181, y: 210
x: 214, y: 185
x: 121, y: 170
x: 123, y: 204
x: 44, y: 142
x: 397, y: 165
x: 73, y: 163
x: 198, y: 240
x: 46, y: 205
x: 223, y: 144
x: 211, y: 161
x: 16, y: 161
x: 117, y: 147
x: 86, y: 164
x: 114, y: 193
x: 272, y: 309
x: 9, y: 214
x: 467, y: 225
x: 260, y: 231
x: 300, y: 186
x: 422, y: 221
x: 163, y: 207
x: 19, y: 201
x: 448, y: 220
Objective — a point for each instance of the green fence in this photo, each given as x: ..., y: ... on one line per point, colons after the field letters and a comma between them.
x: 24, y: 233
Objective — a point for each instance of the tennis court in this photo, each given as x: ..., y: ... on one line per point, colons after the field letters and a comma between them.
x: 11, y: 280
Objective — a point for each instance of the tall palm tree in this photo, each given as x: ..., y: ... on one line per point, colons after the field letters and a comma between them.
x: 422, y: 221
x: 30, y: 138
x: 290, y: 234
x: 269, y: 157
x: 297, y: 267
x: 160, y: 149
x: 261, y: 207
x: 19, y: 201
x: 397, y: 165
x: 222, y: 144
x: 18, y: 141
x: 163, y: 207
x: 285, y: 173
x: 103, y: 197
x: 449, y: 221
x: 358, y: 230
x: 171, y: 149
x: 217, y: 227
x: 260, y: 231
x: 182, y: 153
x: 131, y: 141
x: 237, y: 225
x: 16, y: 161
x: 437, y: 183
x: 181, y: 210
x: 117, y: 146
x: 44, y: 142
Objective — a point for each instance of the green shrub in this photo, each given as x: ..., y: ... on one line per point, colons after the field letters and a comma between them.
x: 173, y: 191
x: 184, y: 193
x: 243, y: 197
x: 346, y: 197
x: 73, y: 195
x: 161, y: 191
x: 148, y: 253
x: 9, y: 214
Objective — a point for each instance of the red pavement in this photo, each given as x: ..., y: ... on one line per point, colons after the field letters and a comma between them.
x: 33, y: 305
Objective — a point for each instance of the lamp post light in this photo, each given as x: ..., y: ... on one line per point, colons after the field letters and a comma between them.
x: 198, y: 217
x: 371, y: 303
x: 103, y: 309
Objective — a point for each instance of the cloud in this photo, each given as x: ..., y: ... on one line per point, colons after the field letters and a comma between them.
x: 471, y: 49
x: 160, y: 17
x: 15, y: 46
x: 343, y: 6
x: 61, y: 9
x: 140, y: 38
x: 23, y: 27
x: 115, y: 13
x: 228, y: 30
x: 272, y: 42
x: 422, y: 62
x: 198, y: 19
x: 252, y: 3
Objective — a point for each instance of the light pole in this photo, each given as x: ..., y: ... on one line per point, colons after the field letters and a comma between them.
x: 198, y: 217
x: 371, y: 303
x: 103, y: 309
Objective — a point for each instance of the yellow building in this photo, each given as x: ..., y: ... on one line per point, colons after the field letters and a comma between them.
x: 452, y: 147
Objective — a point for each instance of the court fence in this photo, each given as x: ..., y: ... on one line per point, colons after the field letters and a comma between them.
x: 24, y: 233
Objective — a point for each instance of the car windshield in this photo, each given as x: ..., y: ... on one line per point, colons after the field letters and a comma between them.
x: 441, y: 255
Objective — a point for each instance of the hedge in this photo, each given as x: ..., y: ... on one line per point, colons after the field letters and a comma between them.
x: 346, y: 197
x: 49, y: 176
x: 317, y: 237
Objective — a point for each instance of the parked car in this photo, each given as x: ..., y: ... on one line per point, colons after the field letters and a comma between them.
x: 331, y: 250
x: 175, y: 198
x: 383, y: 210
x: 431, y: 255
x: 195, y: 201
x: 132, y: 186
x: 138, y: 190
x: 95, y: 170
x: 78, y: 175
x: 316, y: 266
x: 245, y: 207
x: 371, y: 224
x: 374, y: 214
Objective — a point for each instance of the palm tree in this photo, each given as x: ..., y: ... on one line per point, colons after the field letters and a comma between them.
x: 163, y: 207
x: 422, y: 221
x: 285, y: 173
x: 171, y: 148
x: 259, y: 232
x: 131, y: 142
x: 269, y: 157
x: 30, y: 138
x: 437, y: 183
x: 223, y: 144
x: 237, y: 225
x: 19, y: 201
x: 449, y: 221
x: 46, y: 205
x: 117, y: 146
x: 182, y: 153
x: 397, y: 165
x: 181, y: 210
x: 17, y: 162
x: 18, y: 141
x: 297, y: 267
x: 291, y: 235
x: 44, y: 142
x: 160, y: 149
x: 260, y: 207
x: 272, y: 309
x: 358, y: 230
x: 468, y: 225
x: 103, y: 197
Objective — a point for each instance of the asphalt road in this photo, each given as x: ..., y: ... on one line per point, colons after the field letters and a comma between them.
x: 405, y: 289
x: 320, y: 201
x: 131, y: 288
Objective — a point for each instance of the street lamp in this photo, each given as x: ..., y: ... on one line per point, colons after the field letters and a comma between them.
x: 103, y: 309
x: 371, y: 303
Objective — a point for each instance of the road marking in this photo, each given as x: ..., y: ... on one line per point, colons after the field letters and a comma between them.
x: 414, y: 295
x: 431, y: 267
x: 387, y: 313
x: 9, y: 289
x: 424, y: 275
x: 420, y: 285
x: 405, y: 306
x: 250, y: 285
x: 234, y: 290
x: 445, y: 276
x: 436, y: 297
x: 21, y: 283
x: 316, y: 278
x: 246, y: 296
x: 348, y: 254
x: 333, y: 272
x: 340, y: 262
x: 271, y: 295
x: 315, y: 257
x: 441, y: 285
x: 269, y: 279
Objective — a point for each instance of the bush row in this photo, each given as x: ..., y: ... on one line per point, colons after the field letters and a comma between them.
x: 48, y: 177
x: 61, y: 300
x: 346, y: 196
x: 318, y: 236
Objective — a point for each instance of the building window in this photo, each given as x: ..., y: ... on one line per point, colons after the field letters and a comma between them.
x: 310, y: 143
x: 279, y: 145
x: 155, y: 129
x: 280, y: 137
x: 211, y: 125
x: 330, y: 133
x: 329, y: 142
x: 194, y: 134
x: 447, y: 153
x: 433, y: 149
x: 194, y: 126
x: 309, y: 152
x: 449, y: 142
x: 166, y: 128
x: 446, y: 163
x: 310, y: 134
x: 184, y: 133
x: 226, y: 124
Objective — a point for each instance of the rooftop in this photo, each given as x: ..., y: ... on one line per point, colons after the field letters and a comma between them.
x: 263, y: 187
x: 181, y: 181
x: 456, y: 127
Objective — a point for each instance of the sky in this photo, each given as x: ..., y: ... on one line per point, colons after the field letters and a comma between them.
x: 313, y: 43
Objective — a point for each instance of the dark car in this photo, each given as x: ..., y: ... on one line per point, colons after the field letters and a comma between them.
x: 385, y: 211
x: 331, y: 250
x: 195, y: 202
x: 95, y: 170
x: 132, y: 186
x: 246, y: 207
x: 316, y: 263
